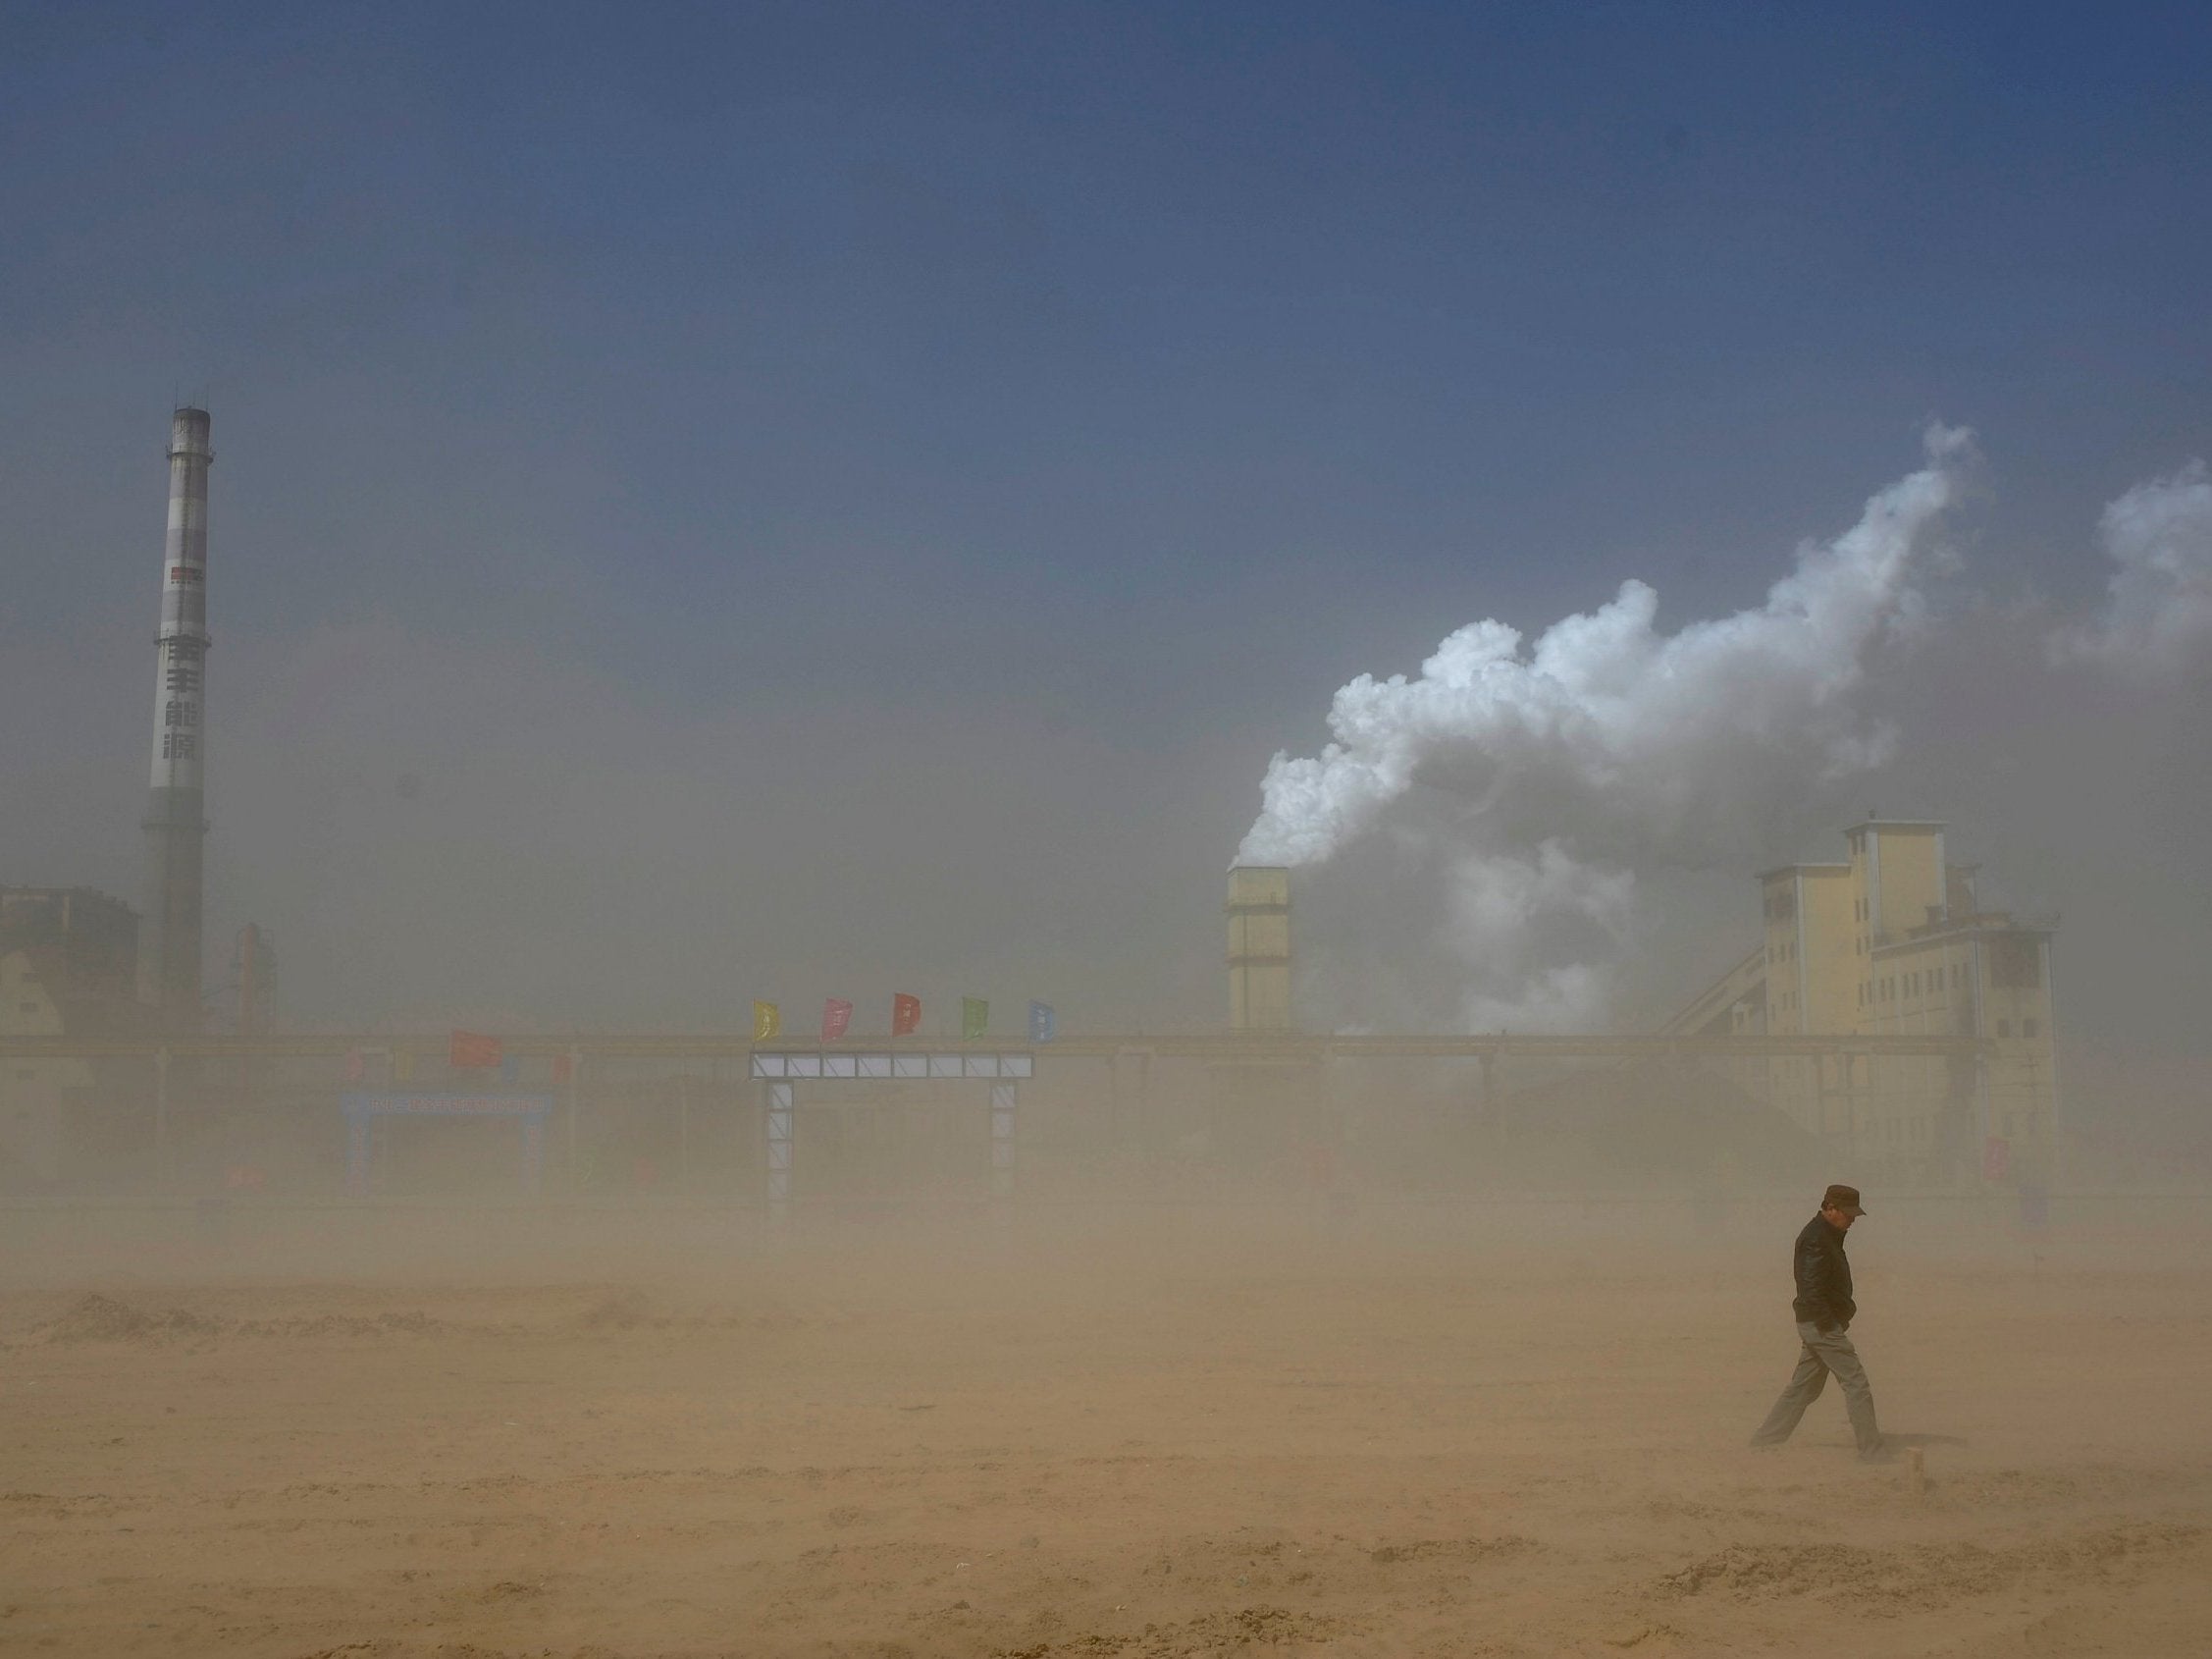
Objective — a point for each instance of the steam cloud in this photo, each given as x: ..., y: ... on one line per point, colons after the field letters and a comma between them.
x: 2158, y: 616
x: 1548, y: 778
x: 1532, y: 791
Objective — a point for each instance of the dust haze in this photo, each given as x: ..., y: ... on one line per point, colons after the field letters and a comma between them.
x: 1446, y: 666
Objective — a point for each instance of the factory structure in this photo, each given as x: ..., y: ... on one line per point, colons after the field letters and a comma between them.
x: 69, y: 966
x: 1883, y: 1013
x: 78, y: 963
x: 1893, y: 942
x: 168, y: 937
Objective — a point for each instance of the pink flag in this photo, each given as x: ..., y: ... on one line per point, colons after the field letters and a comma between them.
x: 836, y: 1015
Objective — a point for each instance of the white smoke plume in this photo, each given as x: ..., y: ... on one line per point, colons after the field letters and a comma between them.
x: 1546, y: 778
x: 2158, y: 612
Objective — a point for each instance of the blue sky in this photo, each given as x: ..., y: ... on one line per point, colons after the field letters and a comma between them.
x: 1057, y: 401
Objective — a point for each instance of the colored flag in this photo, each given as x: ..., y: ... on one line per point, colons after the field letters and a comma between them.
x: 510, y: 1068
x: 402, y: 1065
x: 768, y: 1021
x: 473, y: 1052
x: 356, y: 1065
x: 906, y: 1014
x: 974, y: 1017
x: 836, y: 1015
x: 1045, y: 1024
x: 564, y: 1068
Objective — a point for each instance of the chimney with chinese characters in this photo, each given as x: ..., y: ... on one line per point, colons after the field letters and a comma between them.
x: 168, y: 937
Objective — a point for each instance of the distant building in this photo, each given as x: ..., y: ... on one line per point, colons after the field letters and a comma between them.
x: 68, y: 966
x: 1894, y: 943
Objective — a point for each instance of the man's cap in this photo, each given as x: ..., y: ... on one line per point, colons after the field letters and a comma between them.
x: 1845, y: 1199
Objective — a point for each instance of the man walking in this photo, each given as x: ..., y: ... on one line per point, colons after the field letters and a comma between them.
x: 1824, y: 1311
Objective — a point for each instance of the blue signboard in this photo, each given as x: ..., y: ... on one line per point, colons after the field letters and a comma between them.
x: 362, y: 1110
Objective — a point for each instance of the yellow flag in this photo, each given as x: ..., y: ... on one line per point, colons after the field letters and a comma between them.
x: 768, y: 1021
x: 404, y: 1065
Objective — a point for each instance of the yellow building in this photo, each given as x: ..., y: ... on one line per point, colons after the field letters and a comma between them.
x: 1892, y: 942
x: 68, y: 962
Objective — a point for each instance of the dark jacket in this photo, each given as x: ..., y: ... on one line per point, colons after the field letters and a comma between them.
x: 1824, y: 1277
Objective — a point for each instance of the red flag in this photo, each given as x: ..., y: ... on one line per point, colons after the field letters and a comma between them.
x: 356, y: 1065
x: 906, y: 1015
x: 563, y: 1068
x: 474, y: 1053
x: 836, y: 1015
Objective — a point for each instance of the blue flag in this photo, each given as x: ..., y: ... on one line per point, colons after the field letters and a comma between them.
x: 1044, y: 1026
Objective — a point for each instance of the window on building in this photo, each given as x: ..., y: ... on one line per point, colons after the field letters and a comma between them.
x: 2004, y: 1028
x: 2028, y: 1028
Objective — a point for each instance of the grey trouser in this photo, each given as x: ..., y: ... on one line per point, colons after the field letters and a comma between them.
x: 1823, y: 1351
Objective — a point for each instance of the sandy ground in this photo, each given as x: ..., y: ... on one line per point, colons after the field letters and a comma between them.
x: 1148, y: 1442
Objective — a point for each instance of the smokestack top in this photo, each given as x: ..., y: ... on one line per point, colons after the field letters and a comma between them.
x: 189, y: 430
x: 1258, y: 883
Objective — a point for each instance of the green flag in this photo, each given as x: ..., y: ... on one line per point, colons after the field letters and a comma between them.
x: 974, y: 1015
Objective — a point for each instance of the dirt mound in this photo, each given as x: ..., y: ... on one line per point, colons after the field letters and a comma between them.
x: 621, y: 1311
x: 102, y: 1319
x: 413, y: 1322
x: 628, y: 1309
x: 1239, y: 1631
x: 1451, y: 1549
x: 1923, y: 1577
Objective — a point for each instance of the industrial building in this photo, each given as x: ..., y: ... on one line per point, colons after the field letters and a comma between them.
x: 78, y: 963
x: 1892, y: 942
x: 67, y: 965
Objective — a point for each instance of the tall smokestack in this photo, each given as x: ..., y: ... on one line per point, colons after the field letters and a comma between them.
x: 169, y: 939
x: 1259, y: 948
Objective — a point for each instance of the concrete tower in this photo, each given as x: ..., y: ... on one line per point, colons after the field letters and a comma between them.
x: 1259, y: 948
x: 168, y: 937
